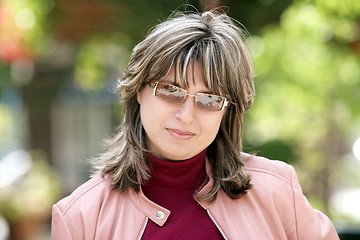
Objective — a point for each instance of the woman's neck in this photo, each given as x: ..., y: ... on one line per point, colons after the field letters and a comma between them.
x: 185, y: 174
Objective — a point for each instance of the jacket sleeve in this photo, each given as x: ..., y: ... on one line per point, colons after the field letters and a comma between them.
x: 311, y: 224
x: 59, y: 228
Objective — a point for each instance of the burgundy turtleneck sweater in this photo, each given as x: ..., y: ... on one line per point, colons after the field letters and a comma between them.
x: 172, y: 185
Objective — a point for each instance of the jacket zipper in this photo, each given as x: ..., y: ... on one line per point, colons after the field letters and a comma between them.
x: 143, y: 229
x: 216, y: 224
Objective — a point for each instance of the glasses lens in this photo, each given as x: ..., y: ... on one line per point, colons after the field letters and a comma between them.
x: 209, y: 102
x: 170, y: 93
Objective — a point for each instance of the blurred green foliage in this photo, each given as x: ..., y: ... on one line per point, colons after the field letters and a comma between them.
x: 308, y: 91
x: 33, y: 194
x: 96, y: 56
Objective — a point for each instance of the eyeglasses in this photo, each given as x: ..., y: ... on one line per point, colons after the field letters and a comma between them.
x: 173, y: 94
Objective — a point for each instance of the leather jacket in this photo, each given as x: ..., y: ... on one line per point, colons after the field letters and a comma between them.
x: 274, y: 208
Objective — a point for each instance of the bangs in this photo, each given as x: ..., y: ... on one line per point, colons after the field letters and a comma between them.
x: 204, y: 52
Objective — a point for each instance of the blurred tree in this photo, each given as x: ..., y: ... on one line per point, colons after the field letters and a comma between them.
x: 308, y: 90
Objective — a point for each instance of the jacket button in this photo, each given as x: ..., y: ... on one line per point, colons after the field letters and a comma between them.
x: 160, y: 215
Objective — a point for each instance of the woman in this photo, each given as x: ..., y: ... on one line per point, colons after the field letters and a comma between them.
x: 175, y: 170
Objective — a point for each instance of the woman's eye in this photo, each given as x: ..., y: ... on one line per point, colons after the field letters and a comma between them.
x: 171, y: 88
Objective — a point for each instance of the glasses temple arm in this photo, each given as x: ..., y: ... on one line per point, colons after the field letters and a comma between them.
x: 226, y: 102
x: 154, y: 86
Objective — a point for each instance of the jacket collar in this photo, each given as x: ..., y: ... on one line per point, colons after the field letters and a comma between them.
x: 157, y: 213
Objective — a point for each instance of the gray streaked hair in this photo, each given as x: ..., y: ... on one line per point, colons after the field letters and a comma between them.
x: 217, y: 43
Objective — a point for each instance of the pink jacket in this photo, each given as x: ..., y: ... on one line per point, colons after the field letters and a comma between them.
x: 275, y: 208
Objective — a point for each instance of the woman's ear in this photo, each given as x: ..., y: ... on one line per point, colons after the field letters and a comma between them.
x: 138, y: 95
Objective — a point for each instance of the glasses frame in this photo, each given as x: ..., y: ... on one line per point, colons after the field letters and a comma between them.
x: 154, y: 85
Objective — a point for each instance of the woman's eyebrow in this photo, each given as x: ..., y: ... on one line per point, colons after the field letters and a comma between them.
x: 170, y: 81
x: 207, y: 91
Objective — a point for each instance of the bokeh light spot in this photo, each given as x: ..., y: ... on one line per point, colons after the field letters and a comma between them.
x: 256, y: 46
x: 25, y: 19
x: 349, y: 72
x: 323, y: 32
x: 356, y: 149
x: 308, y: 15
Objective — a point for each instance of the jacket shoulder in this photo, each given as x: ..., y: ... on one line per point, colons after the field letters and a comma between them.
x: 96, y: 187
x: 256, y: 165
x: 96, y: 211
x: 275, y: 185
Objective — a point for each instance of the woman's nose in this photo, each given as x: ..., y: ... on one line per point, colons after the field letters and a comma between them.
x: 186, y: 110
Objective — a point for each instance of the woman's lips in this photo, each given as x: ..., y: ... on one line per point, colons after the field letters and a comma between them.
x: 184, y: 135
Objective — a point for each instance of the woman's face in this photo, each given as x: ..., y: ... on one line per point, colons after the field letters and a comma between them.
x: 178, y: 132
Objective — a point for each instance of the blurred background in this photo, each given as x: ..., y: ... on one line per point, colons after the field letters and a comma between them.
x: 60, y: 59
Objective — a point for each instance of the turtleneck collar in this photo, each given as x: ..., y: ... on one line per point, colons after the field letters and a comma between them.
x: 186, y: 174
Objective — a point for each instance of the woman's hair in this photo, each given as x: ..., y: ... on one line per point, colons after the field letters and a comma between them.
x: 217, y: 43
